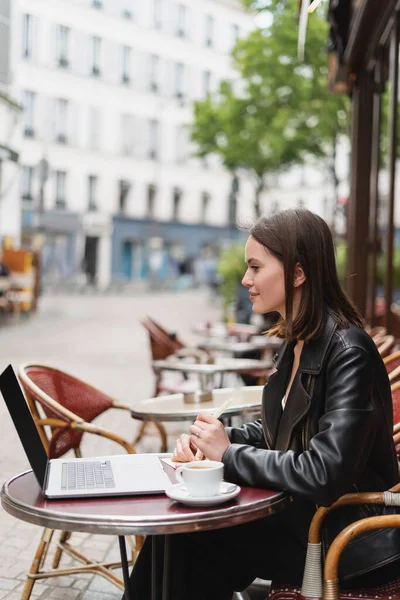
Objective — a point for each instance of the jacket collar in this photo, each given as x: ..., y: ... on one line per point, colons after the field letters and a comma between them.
x: 313, y: 354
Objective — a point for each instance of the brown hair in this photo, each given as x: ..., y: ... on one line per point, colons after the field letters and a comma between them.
x: 299, y: 236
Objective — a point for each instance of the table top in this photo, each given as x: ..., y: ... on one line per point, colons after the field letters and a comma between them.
x: 21, y: 497
x: 223, y: 329
x: 222, y: 365
x: 172, y: 407
x: 258, y: 342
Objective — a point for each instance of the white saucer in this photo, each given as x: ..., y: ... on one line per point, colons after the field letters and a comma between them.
x: 179, y: 492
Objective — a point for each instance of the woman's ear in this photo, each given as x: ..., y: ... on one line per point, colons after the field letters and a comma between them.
x: 299, y: 276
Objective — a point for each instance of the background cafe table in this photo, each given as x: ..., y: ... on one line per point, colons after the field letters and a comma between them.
x: 242, y: 331
x: 256, y: 343
x: 207, y: 371
x: 173, y: 407
x: 135, y: 515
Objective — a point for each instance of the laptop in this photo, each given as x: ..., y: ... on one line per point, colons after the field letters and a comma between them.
x: 115, y: 475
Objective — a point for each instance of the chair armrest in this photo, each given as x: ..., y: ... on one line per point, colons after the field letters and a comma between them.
x: 331, y: 580
x: 312, y: 579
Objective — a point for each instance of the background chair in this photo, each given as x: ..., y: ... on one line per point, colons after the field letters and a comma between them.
x: 164, y: 345
x: 395, y: 387
x: 63, y: 407
x: 385, y: 344
x: 392, y: 362
x: 374, y: 331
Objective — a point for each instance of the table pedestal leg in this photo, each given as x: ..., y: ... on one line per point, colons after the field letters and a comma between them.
x: 125, y: 568
x: 154, y: 567
x: 165, y: 588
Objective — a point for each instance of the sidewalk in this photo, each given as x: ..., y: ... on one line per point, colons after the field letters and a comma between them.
x: 100, y: 339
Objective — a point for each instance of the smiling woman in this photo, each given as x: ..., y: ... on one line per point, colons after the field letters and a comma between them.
x: 326, y: 428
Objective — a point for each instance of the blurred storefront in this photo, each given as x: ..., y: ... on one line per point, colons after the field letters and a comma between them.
x: 162, y: 251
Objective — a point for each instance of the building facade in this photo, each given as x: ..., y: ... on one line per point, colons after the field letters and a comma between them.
x: 10, y: 211
x: 108, y: 175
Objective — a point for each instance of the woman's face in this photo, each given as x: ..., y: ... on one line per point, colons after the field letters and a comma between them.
x: 264, y: 278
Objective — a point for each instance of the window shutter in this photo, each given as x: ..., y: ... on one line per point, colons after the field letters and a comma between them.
x: 4, y: 41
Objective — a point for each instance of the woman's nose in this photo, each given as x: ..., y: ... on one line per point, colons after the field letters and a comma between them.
x: 246, y: 280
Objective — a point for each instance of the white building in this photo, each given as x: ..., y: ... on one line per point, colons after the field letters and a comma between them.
x: 10, y: 209
x: 107, y: 88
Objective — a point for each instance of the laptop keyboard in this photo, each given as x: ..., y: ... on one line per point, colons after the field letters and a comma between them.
x: 87, y: 475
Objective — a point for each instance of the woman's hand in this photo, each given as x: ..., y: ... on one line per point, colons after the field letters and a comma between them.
x: 185, y: 450
x: 209, y: 436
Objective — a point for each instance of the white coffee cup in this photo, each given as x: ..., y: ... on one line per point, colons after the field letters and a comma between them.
x: 202, y: 477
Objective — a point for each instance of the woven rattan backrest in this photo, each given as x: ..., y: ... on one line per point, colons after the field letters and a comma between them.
x: 162, y: 344
x: 69, y: 392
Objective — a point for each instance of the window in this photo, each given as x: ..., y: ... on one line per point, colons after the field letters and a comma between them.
x: 176, y: 203
x: 151, y: 200
x: 209, y: 37
x: 181, y: 144
x: 124, y: 189
x: 127, y: 134
x: 62, y: 46
x: 94, y: 128
x: 157, y: 14
x: 153, y: 72
x: 27, y: 28
x: 206, y: 83
x: 179, y: 79
x: 205, y: 205
x: 126, y: 65
x: 127, y: 12
x: 62, y: 110
x: 96, y: 54
x: 28, y: 102
x: 27, y: 178
x: 235, y: 34
x: 181, y: 21
x: 153, y: 138
x: 61, y: 178
x: 92, y: 193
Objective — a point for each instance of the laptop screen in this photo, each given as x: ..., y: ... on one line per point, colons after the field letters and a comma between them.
x: 24, y: 423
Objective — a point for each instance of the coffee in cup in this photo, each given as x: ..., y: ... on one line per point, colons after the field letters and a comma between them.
x: 202, y: 478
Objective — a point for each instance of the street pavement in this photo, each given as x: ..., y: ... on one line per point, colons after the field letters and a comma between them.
x: 100, y: 340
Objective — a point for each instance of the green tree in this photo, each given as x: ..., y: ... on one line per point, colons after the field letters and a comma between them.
x: 278, y: 112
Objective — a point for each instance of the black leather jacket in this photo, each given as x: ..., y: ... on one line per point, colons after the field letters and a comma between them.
x: 334, y: 437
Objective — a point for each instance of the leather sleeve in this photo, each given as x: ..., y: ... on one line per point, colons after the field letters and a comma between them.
x: 337, y: 454
x: 250, y: 433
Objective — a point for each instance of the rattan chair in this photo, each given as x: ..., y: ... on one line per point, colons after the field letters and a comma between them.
x: 385, y: 344
x: 392, y: 364
x: 164, y: 345
x: 63, y: 407
x: 374, y: 331
x: 312, y: 587
x: 395, y: 387
x: 331, y: 591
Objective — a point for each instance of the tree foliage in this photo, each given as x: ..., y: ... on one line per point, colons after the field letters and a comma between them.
x: 278, y: 111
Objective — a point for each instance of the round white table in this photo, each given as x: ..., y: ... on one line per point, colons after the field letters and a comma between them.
x: 246, y: 400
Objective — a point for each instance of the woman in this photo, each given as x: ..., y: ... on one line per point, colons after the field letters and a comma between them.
x: 326, y: 427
